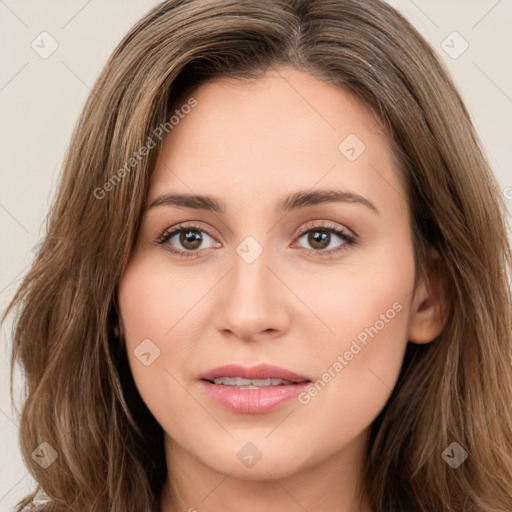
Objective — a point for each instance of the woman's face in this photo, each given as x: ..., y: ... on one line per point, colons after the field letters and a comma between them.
x: 323, y: 289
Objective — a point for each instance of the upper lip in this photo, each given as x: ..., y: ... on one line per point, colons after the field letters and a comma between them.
x: 259, y: 371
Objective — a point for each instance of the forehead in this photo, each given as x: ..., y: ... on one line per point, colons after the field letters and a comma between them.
x: 286, y: 130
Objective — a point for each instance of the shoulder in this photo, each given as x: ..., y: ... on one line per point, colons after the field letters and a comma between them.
x: 37, y: 503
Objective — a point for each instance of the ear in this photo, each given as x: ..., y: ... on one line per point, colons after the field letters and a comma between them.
x: 429, y: 305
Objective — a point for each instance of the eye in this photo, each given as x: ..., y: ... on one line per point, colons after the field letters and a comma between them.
x: 190, y: 238
x: 320, y: 237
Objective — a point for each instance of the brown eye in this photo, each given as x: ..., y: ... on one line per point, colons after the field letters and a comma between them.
x: 190, y: 239
x: 185, y: 240
x: 320, y: 238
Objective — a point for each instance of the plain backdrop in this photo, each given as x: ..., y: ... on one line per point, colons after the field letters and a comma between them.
x: 41, y: 96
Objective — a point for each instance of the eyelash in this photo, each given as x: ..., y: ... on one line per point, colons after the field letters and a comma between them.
x: 344, y: 235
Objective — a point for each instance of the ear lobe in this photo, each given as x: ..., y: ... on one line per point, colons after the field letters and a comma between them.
x: 429, y: 305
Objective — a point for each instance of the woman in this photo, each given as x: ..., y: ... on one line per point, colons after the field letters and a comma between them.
x: 260, y: 368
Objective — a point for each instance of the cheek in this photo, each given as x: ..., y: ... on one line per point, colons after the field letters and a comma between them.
x: 370, y: 309
x: 358, y: 363
x: 161, y: 303
x: 154, y: 305
x: 148, y: 300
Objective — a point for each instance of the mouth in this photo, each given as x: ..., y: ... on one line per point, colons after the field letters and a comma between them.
x: 240, y: 383
x: 255, y: 389
x: 259, y: 376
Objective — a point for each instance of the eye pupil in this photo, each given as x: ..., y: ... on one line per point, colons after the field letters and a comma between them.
x: 190, y: 237
x: 319, y: 237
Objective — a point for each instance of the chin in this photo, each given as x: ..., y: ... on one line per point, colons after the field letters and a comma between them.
x: 260, y: 460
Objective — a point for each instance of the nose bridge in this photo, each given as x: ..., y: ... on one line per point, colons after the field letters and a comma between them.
x: 253, y: 299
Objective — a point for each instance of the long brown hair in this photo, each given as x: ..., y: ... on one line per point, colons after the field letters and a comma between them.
x: 80, y: 395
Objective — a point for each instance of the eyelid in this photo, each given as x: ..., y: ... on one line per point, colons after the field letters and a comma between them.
x: 326, y: 224
x: 193, y: 225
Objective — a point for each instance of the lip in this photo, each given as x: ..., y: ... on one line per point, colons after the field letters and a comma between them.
x: 259, y: 371
x: 253, y: 401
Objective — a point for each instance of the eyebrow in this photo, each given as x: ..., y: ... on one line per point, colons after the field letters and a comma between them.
x: 295, y: 201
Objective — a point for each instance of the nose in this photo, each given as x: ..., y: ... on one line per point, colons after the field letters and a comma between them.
x: 253, y: 301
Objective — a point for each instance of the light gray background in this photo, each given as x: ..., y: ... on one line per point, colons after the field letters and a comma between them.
x: 40, y: 100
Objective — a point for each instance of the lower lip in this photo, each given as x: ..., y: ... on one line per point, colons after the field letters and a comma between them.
x: 253, y: 400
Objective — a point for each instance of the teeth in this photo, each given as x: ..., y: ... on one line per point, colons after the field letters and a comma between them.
x: 239, y: 382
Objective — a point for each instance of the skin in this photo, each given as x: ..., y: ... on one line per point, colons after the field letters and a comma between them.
x: 249, y: 145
